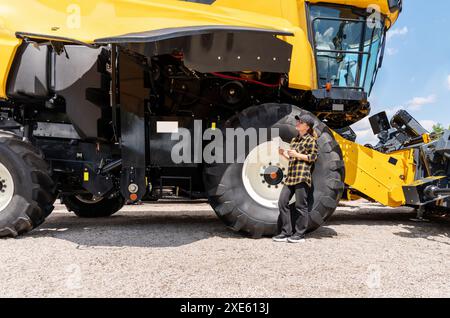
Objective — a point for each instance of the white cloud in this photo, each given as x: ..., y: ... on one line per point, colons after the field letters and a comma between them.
x: 363, y: 124
x: 390, y: 112
x: 391, y: 51
x: 413, y: 105
x: 397, y: 32
x: 366, y: 137
x: 417, y: 103
x: 428, y: 124
x: 448, y: 82
x: 364, y: 132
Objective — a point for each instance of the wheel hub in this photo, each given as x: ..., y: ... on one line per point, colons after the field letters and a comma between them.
x: 6, y: 187
x: 264, y: 173
x: 273, y: 175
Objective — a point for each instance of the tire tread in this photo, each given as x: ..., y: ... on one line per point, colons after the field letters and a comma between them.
x: 40, y: 205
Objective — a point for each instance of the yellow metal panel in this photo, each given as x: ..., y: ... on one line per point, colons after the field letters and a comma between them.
x: 426, y: 180
x: 8, y: 49
x: 303, y: 66
x: 294, y: 10
x: 371, y: 173
x: 87, y: 20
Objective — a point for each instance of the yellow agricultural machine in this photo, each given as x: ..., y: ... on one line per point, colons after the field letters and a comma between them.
x: 94, y: 91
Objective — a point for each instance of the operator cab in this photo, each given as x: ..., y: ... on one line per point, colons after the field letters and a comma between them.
x: 348, y: 44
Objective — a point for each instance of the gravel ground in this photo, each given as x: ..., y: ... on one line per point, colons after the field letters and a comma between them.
x: 183, y: 250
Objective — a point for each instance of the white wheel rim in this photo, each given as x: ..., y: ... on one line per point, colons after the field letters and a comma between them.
x: 6, y: 187
x: 259, y: 159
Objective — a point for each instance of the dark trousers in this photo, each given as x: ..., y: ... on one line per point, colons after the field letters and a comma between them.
x: 301, y: 208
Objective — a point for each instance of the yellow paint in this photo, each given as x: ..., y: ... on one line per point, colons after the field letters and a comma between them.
x: 426, y: 138
x: 370, y: 172
x: 88, y: 20
x: 303, y: 66
x: 350, y: 196
x: 426, y: 180
x: 8, y: 49
x: 294, y: 10
x: 86, y: 176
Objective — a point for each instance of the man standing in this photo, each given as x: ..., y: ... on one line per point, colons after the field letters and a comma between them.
x: 302, y: 155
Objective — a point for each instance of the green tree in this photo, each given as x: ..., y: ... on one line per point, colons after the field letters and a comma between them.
x: 438, y: 129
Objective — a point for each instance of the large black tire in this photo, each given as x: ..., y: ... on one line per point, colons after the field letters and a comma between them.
x: 106, y: 207
x: 34, y: 194
x: 229, y: 197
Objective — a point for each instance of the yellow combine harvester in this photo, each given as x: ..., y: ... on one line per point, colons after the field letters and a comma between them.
x: 94, y: 93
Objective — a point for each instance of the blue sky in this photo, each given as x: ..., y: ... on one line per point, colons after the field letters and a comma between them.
x: 416, y: 69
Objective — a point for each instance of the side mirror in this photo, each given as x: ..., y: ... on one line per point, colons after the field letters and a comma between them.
x: 379, y: 123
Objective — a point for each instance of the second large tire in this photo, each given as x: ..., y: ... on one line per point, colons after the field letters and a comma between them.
x: 240, y: 210
x: 88, y: 208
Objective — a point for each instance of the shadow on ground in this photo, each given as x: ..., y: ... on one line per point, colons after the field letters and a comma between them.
x: 134, y: 231
x: 432, y: 229
x: 182, y: 228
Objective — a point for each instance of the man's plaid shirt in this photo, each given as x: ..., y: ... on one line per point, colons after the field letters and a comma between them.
x: 299, y: 170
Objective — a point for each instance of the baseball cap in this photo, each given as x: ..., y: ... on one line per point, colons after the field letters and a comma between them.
x: 307, y: 119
